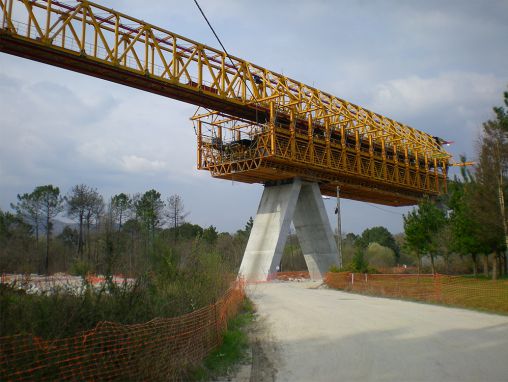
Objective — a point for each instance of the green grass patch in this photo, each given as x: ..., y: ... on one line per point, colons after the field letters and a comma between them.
x: 465, y: 292
x: 483, y: 277
x: 233, y: 349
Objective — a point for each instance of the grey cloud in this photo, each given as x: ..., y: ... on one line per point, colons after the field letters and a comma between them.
x: 438, y: 66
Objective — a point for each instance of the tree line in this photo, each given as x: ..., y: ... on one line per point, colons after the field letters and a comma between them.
x: 117, y: 235
x: 470, y: 220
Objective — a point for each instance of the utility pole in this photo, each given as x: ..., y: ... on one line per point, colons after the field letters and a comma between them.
x: 339, y: 228
x: 495, y: 269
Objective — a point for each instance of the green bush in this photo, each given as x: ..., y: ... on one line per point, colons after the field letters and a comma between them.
x: 80, y: 268
x: 357, y: 265
x: 378, y: 255
x: 175, y: 282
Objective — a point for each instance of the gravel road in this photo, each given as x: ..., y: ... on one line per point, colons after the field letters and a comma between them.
x: 327, y: 335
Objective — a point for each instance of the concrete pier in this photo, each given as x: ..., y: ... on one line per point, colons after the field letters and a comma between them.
x: 300, y: 202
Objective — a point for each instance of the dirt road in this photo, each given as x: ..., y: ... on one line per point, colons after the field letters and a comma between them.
x: 327, y: 335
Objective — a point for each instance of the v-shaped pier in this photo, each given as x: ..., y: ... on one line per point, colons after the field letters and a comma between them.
x: 301, y: 203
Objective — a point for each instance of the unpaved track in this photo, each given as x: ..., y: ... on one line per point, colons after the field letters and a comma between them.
x: 327, y: 335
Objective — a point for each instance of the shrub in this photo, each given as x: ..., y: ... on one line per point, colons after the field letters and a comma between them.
x: 175, y: 282
x: 357, y: 265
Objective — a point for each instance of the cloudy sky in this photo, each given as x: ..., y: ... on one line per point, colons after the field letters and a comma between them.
x: 438, y: 66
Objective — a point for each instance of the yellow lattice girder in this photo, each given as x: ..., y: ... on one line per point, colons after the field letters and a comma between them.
x: 238, y: 87
x: 296, y: 130
x: 236, y: 149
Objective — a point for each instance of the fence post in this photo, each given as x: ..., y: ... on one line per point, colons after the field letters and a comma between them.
x: 217, y: 323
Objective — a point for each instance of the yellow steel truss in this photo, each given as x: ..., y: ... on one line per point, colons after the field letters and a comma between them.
x: 320, y: 135
x: 235, y: 149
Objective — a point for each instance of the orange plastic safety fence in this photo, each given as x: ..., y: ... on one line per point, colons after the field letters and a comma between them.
x: 293, y: 275
x: 450, y: 290
x: 161, y: 349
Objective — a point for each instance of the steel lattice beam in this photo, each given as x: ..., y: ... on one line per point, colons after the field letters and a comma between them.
x: 88, y: 38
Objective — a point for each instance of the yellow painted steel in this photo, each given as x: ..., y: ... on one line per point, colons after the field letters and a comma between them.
x: 297, y: 129
x: 462, y: 164
x: 243, y: 151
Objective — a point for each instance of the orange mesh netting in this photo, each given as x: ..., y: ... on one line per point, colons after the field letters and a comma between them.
x: 161, y: 349
x: 450, y: 290
x: 293, y: 275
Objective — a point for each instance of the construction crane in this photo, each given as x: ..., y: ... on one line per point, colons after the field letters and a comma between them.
x: 259, y: 126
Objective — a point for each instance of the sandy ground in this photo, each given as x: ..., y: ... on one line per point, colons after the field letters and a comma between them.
x: 310, y: 333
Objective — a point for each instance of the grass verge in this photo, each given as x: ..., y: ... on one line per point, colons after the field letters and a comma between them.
x: 455, y: 291
x: 233, y: 349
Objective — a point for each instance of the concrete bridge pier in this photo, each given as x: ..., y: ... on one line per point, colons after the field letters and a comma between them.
x: 300, y: 202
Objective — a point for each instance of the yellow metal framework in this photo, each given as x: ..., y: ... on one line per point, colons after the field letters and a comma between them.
x: 279, y: 128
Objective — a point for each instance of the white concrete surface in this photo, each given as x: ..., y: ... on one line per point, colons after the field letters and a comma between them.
x: 42, y: 284
x: 270, y: 230
x: 300, y: 202
x: 314, y: 232
x: 327, y: 335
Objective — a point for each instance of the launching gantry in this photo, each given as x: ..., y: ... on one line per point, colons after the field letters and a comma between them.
x: 260, y: 126
x: 367, y: 164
